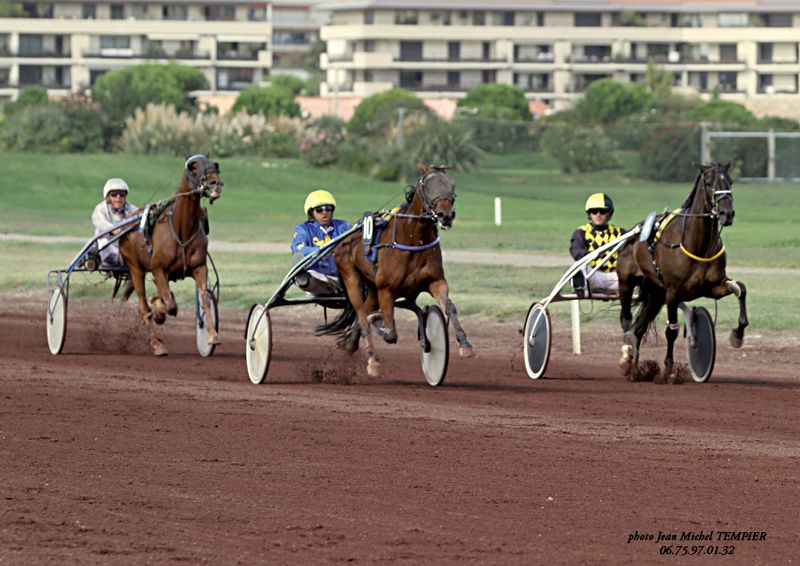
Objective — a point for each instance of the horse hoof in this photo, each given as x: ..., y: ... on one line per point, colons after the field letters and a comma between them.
x: 159, y: 317
x: 736, y: 340
x: 389, y: 337
x: 466, y: 352
x: 159, y: 350
x: 625, y: 367
x: 373, y: 368
x: 214, y: 340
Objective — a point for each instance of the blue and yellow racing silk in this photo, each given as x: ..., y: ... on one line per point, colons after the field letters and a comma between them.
x: 309, y: 236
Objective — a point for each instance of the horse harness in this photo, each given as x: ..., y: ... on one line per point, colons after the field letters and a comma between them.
x: 663, y: 220
x: 371, y: 233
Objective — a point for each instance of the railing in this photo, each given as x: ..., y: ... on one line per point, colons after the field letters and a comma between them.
x: 228, y: 56
x: 764, y: 61
x: 43, y: 54
x: 535, y: 59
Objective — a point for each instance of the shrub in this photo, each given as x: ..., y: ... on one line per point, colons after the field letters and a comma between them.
x: 390, y: 165
x: 269, y: 102
x: 57, y: 127
x: 376, y: 113
x: 607, y: 101
x: 160, y: 129
x: 579, y: 148
x: 502, y: 102
x: 320, y: 148
x: 498, y: 136
x: 444, y: 142
x: 354, y: 157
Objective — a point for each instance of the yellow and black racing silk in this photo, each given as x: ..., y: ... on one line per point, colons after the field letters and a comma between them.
x: 596, y: 238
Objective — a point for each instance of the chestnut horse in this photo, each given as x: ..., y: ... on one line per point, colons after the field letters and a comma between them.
x: 408, y: 261
x: 685, y: 261
x: 179, y: 247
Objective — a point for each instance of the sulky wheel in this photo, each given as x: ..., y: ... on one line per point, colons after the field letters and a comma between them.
x: 201, y: 327
x: 258, y: 343
x: 702, y: 351
x: 56, y: 320
x: 434, y: 362
x: 536, y: 344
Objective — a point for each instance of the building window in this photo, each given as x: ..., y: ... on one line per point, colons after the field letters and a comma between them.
x: 540, y: 19
x: 30, y: 75
x: 727, y: 82
x: 453, y: 50
x: 411, y: 51
x: 778, y: 20
x: 138, y: 11
x: 765, y: 83
x: 588, y: 19
x: 369, y: 17
x: 220, y: 13
x: 115, y: 42
x: 478, y: 18
x: 369, y: 45
x: 739, y: 20
x: 117, y: 12
x: 30, y: 44
x: 727, y: 52
x: 406, y: 17
x: 447, y: 17
x: 175, y: 12
x: 453, y: 79
x: 369, y: 76
x: 256, y: 14
x: 765, y: 53
x: 89, y: 11
x: 411, y: 79
x: 488, y: 77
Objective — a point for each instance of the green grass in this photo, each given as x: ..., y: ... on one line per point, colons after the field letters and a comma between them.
x: 501, y: 293
x: 262, y: 201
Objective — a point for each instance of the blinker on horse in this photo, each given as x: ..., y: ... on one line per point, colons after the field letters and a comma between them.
x: 407, y: 262
x: 685, y: 260
x: 177, y: 247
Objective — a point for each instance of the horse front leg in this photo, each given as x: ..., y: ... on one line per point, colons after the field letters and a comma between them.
x: 200, y: 275
x: 353, y: 284
x: 156, y: 345
x: 649, y: 311
x: 388, y: 329
x: 164, y: 302
x: 727, y: 287
x: 440, y: 291
x: 672, y: 331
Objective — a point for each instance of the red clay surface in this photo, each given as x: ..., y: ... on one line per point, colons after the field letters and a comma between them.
x: 110, y: 455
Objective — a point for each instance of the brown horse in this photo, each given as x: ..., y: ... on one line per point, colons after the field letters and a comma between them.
x: 685, y: 261
x: 408, y: 261
x: 179, y: 247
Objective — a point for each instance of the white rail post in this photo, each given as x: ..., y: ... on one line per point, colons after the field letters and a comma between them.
x: 498, y: 212
x: 771, y: 155
x: 576, y: 327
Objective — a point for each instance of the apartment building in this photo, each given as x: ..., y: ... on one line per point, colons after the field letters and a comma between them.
x: 66, y: 45
x: 295, y: 28
x: 553, y: 50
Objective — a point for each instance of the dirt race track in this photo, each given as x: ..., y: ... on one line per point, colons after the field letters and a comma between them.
x: 109, y: 455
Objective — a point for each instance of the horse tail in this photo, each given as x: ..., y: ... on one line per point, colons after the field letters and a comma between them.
x: 647, y: 292
x: 345, y: 327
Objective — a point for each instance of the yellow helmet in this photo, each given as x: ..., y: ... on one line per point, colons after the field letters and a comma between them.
x: 318, y: 198
x: 600, y: 200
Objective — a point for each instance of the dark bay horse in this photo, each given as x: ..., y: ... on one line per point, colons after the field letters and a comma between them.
x: 685, y: 261
x: 179, y: 247
x: 408, y: 262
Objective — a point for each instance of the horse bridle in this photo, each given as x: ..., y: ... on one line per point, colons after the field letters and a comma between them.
x: 427, y: 202
x: 717, y: 195
x: 201, y: 182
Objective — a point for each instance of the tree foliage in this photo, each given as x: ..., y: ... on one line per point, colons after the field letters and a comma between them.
x: 502, y: 102
x: 267, y: 101
x: 722, y: 112
x: 59, y: 127
x: 438, y: 142
x: 607, y: 100
x: 121, y: 91
x: 579, y: 148
x: 376, y: 113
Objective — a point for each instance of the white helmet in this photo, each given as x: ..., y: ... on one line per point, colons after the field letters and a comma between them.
x: 115, y: 184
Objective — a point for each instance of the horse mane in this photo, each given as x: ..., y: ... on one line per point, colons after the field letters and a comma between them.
x: 690, y: 199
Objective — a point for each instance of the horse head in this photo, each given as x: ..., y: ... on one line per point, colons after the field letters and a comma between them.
x: 438, y: 193
x: 203, y: 177
x: 716, y: 186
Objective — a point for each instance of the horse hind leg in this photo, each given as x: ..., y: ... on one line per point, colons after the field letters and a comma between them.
x: 200, y: 276
x: 672, y: 331
x: 165, y: 301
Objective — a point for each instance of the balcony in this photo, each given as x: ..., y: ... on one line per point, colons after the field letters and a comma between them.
x: 237, y: 56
